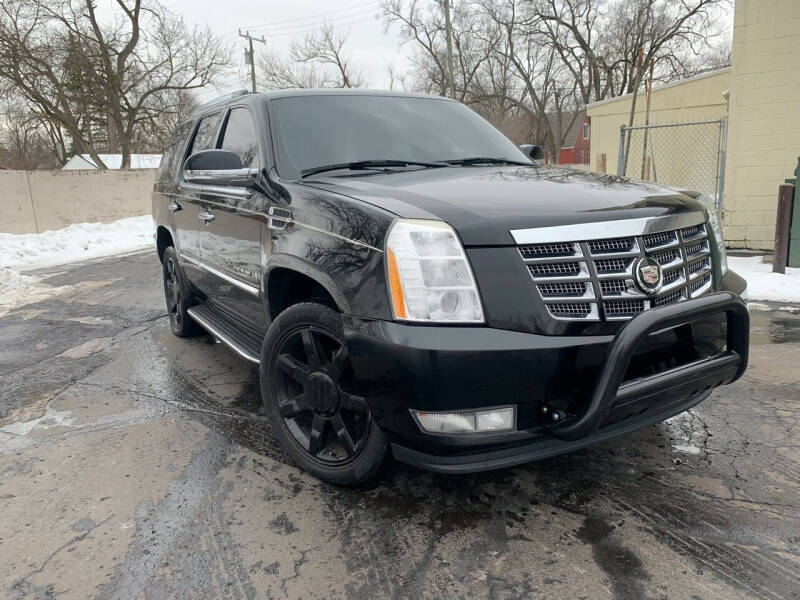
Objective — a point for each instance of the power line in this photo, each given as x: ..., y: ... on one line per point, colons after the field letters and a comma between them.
x: 270, y: 30
x: 315, y: 29
x: 314, y: 16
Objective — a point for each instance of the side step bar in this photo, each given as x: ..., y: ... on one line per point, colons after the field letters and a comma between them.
x: 224, y: 329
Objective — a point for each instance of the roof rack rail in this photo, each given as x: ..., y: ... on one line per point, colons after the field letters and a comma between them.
x: 224, y: 98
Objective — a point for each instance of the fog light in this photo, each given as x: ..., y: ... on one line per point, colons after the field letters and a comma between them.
x: 471, y: 421
x: 495, y: 420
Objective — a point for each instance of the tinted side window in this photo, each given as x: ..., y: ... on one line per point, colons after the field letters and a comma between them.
x: 206, y: 133
x: 240, y: 137
x: 172, y: 153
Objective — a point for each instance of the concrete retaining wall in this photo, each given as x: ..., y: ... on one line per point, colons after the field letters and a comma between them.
x: 37, y: 201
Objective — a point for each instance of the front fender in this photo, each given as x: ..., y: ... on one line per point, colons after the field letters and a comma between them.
x: 309, y: 269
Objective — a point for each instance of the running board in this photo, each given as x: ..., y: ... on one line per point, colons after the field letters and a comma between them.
x: 225, y: 330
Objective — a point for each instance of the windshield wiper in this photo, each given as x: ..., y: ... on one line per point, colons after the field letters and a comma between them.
x: 485, y: 160
x: 371, y: 164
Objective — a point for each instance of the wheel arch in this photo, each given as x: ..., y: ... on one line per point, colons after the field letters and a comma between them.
x: 163, y: 241
x: 290, y: 280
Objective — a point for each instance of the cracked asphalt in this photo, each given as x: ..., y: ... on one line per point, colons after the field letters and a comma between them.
x: 134, y: 464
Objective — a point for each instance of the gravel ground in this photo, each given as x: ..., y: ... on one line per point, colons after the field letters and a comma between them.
x: 137, y: 465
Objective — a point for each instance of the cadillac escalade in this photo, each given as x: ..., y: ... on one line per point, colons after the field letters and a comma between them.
x: 409, y: 281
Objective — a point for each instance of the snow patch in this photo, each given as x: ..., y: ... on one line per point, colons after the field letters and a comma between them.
x: 16, y: 289
x: 75, y: 243
x: 758, y: 306
x: 684, y: 435
x: 762, y: 283
x: 51, y: 418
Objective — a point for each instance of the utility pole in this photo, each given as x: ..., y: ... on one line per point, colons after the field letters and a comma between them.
x: 449, y: 35
x: 250, y: 55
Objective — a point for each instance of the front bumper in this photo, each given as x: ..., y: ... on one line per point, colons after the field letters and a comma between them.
x: 599, y: 381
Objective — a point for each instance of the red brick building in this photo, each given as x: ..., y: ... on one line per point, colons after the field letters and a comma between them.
x: 575, y: 148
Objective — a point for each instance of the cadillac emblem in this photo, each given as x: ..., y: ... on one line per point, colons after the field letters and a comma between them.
x: 649, y: 276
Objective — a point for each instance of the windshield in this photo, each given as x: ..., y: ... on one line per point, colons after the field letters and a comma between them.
x: 314, y: 131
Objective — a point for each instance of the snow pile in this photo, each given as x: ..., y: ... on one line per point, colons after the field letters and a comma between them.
x: 762, y: 283
x: 16, y: 289
x: 74, y: 243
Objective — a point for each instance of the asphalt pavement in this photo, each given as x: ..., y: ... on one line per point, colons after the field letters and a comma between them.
x: 134, y: 464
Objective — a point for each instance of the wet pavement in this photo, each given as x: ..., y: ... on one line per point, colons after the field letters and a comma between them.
x: 134, y: 464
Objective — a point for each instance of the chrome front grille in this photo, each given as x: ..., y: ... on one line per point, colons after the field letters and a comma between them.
x: 594, y: 279
x: 660, y: 240
x: 572, y: 289
x: 536, y: 250
x: 607, y: 246
x: 668, y: 258
x: 613, y: 265
x: 571, y: 310
x: 559, y: 269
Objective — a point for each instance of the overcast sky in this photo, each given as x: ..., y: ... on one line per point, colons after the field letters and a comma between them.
x: 281, y: 21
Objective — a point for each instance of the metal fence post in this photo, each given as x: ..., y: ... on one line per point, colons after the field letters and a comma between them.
x: 723, y: 146
x: 793, y: 254
x: 621, y: 153
x: 782, y: 227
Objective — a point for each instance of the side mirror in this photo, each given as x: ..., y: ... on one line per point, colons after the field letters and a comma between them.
x: 532, y: 150
x: 218, y: 167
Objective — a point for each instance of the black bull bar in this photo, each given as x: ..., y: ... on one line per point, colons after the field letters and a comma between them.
x: 611, y: 390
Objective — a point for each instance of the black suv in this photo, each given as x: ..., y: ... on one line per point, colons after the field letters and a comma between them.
x: 407, y: 278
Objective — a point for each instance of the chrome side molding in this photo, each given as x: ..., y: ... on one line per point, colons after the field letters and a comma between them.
x: 250, y: 289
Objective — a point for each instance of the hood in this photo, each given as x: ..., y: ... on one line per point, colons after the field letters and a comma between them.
x: 484, y: 203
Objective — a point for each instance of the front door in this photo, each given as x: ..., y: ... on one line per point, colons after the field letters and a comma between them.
x: 232, y: 224
x: 185, y: 204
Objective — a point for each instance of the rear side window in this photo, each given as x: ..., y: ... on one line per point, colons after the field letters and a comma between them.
x: 206, y: 133
x: 172, y: 153
x: 240, y: 137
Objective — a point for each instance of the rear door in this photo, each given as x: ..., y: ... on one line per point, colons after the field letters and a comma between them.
x: 186, y: 203
x: 165, y: 190
x: 232, y: 227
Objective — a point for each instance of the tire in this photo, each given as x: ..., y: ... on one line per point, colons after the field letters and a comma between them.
x: 177, y: 296
x: 307, y: 388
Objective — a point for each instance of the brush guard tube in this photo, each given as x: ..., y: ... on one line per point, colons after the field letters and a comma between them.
x: 610, y: 388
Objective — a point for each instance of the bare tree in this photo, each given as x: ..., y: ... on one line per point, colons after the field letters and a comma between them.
x: 83, y: 75
x: 275, y: 72
x: 544, y: 88
x: 423, y: 24
x: 318, y: 61
x: 600, y: 41
x: 24, y: 139
x: 169, y: 110
x: 326, y: 49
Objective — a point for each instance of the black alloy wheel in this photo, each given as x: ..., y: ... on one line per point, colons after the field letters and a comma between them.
x: 329, y: 422
x: 308, y: 387
x: 176, y: 296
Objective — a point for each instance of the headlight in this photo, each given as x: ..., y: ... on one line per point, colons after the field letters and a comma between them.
x: 715, y: 221
x: 429, y: 276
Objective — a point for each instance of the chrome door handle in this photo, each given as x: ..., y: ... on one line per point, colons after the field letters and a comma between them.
x: 174, y: 206
x: 206, y: 216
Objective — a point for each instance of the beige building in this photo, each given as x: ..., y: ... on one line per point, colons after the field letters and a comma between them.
x: 759, y: 95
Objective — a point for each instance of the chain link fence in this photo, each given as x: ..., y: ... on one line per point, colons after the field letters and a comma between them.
x: 688, y: 155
